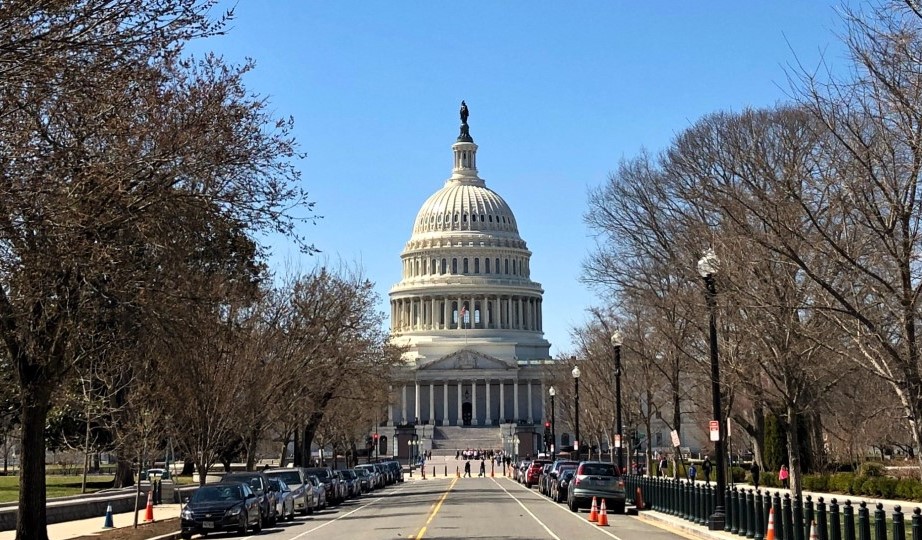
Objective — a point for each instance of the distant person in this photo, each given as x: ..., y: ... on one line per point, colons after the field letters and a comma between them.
x: 754, y: 471
x: 663, y: 466
x: 483, y: 468
x: 467, y: 468
x: 692, y: 472
x: 458, y: 454
x: 783, y: 476
x: 706, y: 469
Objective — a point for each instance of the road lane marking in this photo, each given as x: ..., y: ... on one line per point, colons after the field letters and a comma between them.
x: 349, y: 513
x: 435, y: 510
x: 516, y: 499
x: 565, y: 509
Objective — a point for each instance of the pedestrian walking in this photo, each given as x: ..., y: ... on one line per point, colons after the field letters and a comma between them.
x: 706, y: 469
x: 692, y: 472
x: 467, y: 469
x: 483, y: 468
x: 457, y: 454
x: 663, y: 464
x: 754, y: 470
x: 783, y: 476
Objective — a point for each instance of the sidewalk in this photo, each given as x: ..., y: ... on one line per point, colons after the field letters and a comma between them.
x: 84, y: 527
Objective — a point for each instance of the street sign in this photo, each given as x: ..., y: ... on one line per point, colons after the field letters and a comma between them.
x: 714, y: 429
x: 617, y: 441
x: 675, y: 438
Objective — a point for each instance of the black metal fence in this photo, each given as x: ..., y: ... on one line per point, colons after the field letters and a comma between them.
x: 748, y: 512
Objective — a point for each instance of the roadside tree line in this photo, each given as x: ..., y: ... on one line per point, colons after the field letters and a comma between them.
x: 813, y: 207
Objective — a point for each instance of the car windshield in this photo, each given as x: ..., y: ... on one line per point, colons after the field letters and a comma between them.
x: 567, y: 474
x: 217, y: 493
x: 255, y: 482
x: 598, y: 469
x: 274, y: 485
x: 349, y: 475
x: 361, y: 472
x: 566, y: 468
x: 322, y: 474
x: 292, y: 478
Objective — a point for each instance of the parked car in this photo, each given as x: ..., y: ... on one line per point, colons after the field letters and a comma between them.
x: 301, y: 491
x: 377, y: 481
x: 342, y: 488
x: 397, y: 468
x: 364, y: 479
x: 224, y: 506
x: 596, y: 479
x: 320, y: 492
x: 352, y: 481
x: 330, y: 482
x: 284, y: 502
x: 520, y: 470
x: 553, y: 472
x: 259, y: 483
x: 533, y: 473
x: 559, y: 485
x: 543, y: 483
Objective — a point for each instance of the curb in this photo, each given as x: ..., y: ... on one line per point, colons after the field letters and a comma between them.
x: 169, y: 536
x: 682, y: 525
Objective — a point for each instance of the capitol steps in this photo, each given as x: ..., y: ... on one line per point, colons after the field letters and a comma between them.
x: 447, y: 440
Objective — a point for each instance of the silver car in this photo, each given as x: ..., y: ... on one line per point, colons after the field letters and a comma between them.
x: 320, y: 492
x: 301, y: 491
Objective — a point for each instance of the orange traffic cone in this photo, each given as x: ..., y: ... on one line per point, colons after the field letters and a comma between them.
x: 603, y: 516
x: 593, y: 512
x: 770, y: 533
x: 813, y: 534
x: 457, y: 472
x: 149, y: 513
x: 638, y: 500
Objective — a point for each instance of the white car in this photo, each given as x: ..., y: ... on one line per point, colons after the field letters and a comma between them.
x: 302, y: 491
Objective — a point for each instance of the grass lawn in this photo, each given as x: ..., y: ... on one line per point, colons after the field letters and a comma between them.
x: 57, y: 486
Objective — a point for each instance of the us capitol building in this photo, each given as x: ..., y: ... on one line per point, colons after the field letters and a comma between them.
x: 469, y: 315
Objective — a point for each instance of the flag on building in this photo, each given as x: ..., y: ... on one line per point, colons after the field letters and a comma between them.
x: 461, y: 316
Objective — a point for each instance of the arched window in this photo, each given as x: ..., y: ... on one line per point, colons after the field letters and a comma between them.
x: 465, y: 266
x: 444, y: 266
x: 513, y: 267
x: 454, y: 266
x: 434, y: 268
x: 497, y: 265
x: 477, y: 265
x: 507, y: 267
x: 486, y: 265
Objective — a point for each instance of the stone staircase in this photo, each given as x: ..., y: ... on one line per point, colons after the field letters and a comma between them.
x: 446, y: 440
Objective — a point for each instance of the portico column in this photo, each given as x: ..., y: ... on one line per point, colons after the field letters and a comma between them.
x: 403, y: 402
x: 445, y: 420
x: 489, y: 416
x: 432, y: 402
x: 432, y: 311
x: 458, y: 420
x: 390, y: 405
x: 474, y: 402
x: 531, y: 419
x: 502, y: 401
x: 416, y: 405
x: 515, y: 400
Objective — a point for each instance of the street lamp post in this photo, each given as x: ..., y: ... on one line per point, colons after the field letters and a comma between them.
x: 576, y: 440
x: 616, y: 341
x: 707, y: 267
x: 553, y: 392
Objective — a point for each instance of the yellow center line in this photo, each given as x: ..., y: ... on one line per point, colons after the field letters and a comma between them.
x: 435, y: 510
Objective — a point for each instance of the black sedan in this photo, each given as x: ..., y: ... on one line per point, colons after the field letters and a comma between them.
x: 229, y: 506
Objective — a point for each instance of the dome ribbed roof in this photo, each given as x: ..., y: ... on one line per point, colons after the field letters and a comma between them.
x: 465, y: 205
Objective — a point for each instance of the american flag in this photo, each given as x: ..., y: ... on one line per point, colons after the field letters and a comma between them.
x: 461, y: 316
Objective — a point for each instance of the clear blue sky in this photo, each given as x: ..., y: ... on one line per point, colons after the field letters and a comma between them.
x: 558, y: 92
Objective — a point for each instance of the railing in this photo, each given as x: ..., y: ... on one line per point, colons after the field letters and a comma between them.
x: 748, y: 512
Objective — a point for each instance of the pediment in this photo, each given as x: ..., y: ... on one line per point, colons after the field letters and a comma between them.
x: 465, y: 359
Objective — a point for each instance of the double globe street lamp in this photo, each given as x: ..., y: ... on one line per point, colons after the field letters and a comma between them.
x: 707, y: 268
x: 576, y: 441
x: 616, y: 340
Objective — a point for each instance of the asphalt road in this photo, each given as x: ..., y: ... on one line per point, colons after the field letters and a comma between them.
x: 466, y: 508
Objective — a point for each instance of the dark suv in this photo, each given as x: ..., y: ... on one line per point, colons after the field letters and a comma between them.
x: 596, y: 479
x: 259, y: 483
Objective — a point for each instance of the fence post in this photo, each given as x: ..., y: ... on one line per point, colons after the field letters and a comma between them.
x: 899, y: 527
x: 779, y: 516
x: 757, y: 525
x: 807, y: 517
x: 848, y: 520
x: 701, y: 505
x: 864, y: 522
x: 729, y: 510
x: 880, y: 523
x: 750, y: 514
x: 788, y: 520
x: 917, y: 524
x: 821, y: 519
x: 835, y: 531
x: 797, y: 518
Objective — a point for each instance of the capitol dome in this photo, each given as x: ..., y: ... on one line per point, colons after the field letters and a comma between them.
x: 466, y: 280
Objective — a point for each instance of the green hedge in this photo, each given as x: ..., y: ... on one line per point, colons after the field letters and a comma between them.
x: 875, y: 484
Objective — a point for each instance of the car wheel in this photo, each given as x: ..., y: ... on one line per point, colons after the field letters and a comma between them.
x: 572, y: 505
x: 186, y: 536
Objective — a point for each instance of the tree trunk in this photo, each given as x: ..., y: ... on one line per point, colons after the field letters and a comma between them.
x: 124, y: 473
x: 283, y: 455
x: 793, y: 438
x: 31, y: 517
x: 298, y: 451
x: 250, y: 446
